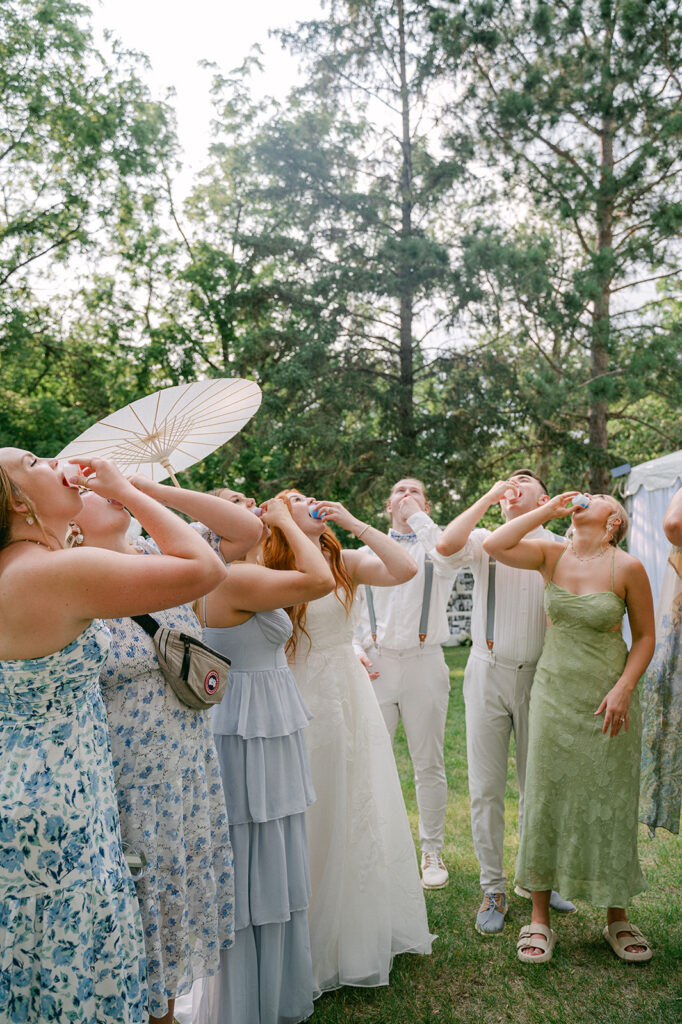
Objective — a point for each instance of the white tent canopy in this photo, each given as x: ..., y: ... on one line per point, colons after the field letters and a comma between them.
x: 655, y: 475
x: 648, y: 491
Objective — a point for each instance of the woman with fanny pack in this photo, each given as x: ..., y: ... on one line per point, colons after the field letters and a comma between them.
x: 171, y: 803
x: 267, y: 976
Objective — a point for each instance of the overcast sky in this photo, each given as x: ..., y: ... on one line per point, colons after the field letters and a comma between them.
x: 177, y: 34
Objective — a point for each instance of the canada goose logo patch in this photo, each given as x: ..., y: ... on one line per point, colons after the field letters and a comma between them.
x: 211, y: 682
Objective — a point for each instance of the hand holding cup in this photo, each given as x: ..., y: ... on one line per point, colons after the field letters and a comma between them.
x: 275, y: 512
x: 560, y: 505
x: 503, y: 490
x: 103, y: 477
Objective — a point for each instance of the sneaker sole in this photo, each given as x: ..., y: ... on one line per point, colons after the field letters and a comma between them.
x: 442, y: 885
x: 488, y: 935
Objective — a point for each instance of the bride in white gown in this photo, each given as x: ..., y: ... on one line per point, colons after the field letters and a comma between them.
x: 367, y: 900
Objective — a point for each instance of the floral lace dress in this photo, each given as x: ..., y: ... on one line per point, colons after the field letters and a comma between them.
x: 71, y: 947
x: 172, y: 808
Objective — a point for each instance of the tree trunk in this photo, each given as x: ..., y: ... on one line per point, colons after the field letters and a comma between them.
x: 601, y: 311
x: 406, y: 427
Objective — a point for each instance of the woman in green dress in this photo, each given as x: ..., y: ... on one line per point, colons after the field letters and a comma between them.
x: 582, y: 780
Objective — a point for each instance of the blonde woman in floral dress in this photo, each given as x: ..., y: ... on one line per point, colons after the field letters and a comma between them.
x: 71, y: 945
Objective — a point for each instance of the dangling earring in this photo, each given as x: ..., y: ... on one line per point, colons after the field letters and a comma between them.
x: 75, y: 536
x: 612, y: 521
x: 30, y: 520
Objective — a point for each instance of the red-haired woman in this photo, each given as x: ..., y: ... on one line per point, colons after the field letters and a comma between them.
x: 367, y: 902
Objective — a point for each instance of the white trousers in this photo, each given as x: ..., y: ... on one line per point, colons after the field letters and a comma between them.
x: 415, y: 685
x: 496, y: 698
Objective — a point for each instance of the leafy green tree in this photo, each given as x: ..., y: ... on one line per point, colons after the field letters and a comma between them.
x: 373, y: 56
x: 577, y: 110
x: 77, y: 131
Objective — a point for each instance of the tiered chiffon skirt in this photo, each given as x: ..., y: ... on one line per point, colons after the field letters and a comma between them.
x: 266, y: 977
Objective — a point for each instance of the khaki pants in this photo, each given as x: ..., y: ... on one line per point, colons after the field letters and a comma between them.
x: 496, y: 696
x: 415, y: 685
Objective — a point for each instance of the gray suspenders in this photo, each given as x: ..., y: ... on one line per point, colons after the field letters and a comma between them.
x: 490, y: 606
x: 426, y: 604
x: 426, y: 599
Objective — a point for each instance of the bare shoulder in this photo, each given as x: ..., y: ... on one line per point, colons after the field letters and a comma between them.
x: 632, y: 569
x: 239, y: 574
x: 351, y: 556
x: 36, y: 610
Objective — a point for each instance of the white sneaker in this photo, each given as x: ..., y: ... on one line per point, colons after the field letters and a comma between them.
x: 434, y: 873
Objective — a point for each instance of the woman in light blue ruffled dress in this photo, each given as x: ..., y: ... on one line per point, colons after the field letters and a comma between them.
x: 170, y: 794
x: 266, y: 977
x: 71, y: 945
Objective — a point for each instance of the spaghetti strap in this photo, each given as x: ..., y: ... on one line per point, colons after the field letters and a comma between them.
x: 551, y: 578
x: 613, y: 559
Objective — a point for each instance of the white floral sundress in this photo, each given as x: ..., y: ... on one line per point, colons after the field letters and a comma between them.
x: 71, y: 946
x: 172, y: 808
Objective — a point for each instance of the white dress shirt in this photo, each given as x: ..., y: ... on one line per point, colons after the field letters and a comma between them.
x: 398, y: 609
x: 519, y: 610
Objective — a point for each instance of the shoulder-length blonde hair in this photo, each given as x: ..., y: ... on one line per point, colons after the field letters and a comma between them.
x: 277, y: 554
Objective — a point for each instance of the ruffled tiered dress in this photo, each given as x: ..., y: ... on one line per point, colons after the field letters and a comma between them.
x: 266, y: 977
x: 71, y: 946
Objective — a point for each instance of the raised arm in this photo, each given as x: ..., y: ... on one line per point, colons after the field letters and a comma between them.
x: 392, y: 565
x: 250, y: 588
x: 456, y: 534
x: 87, y: 583
x: 237, y: 528
x: 508, y: 544
x: 672, y: 524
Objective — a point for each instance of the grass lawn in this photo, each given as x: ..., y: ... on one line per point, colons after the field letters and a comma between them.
x: 472, y: 980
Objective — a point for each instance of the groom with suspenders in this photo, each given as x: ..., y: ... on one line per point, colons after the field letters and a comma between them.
x: 507, y: 633
x: 398, y: 638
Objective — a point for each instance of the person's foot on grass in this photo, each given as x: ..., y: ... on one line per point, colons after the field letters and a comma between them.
x: 490, y: 916
x: 556, y: 901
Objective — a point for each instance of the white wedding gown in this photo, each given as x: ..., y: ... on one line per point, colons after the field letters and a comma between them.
x: 367, y: 901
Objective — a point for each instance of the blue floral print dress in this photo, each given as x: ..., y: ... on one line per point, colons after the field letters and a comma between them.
x: 172, y: 808
x: 661, y: 791
x: 71, y: 945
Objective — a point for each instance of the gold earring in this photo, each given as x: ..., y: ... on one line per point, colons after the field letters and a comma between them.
x: 74, y: 537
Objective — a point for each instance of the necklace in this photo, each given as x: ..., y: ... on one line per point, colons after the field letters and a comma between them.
x: 588, y: 558
x: 29, y: 540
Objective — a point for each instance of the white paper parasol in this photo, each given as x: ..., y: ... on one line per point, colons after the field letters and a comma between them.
x: 160, y: 434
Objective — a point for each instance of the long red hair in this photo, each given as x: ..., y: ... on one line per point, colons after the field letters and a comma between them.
x: 277, y: 554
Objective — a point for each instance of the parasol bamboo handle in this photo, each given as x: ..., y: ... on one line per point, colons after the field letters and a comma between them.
x: 166, y: 465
